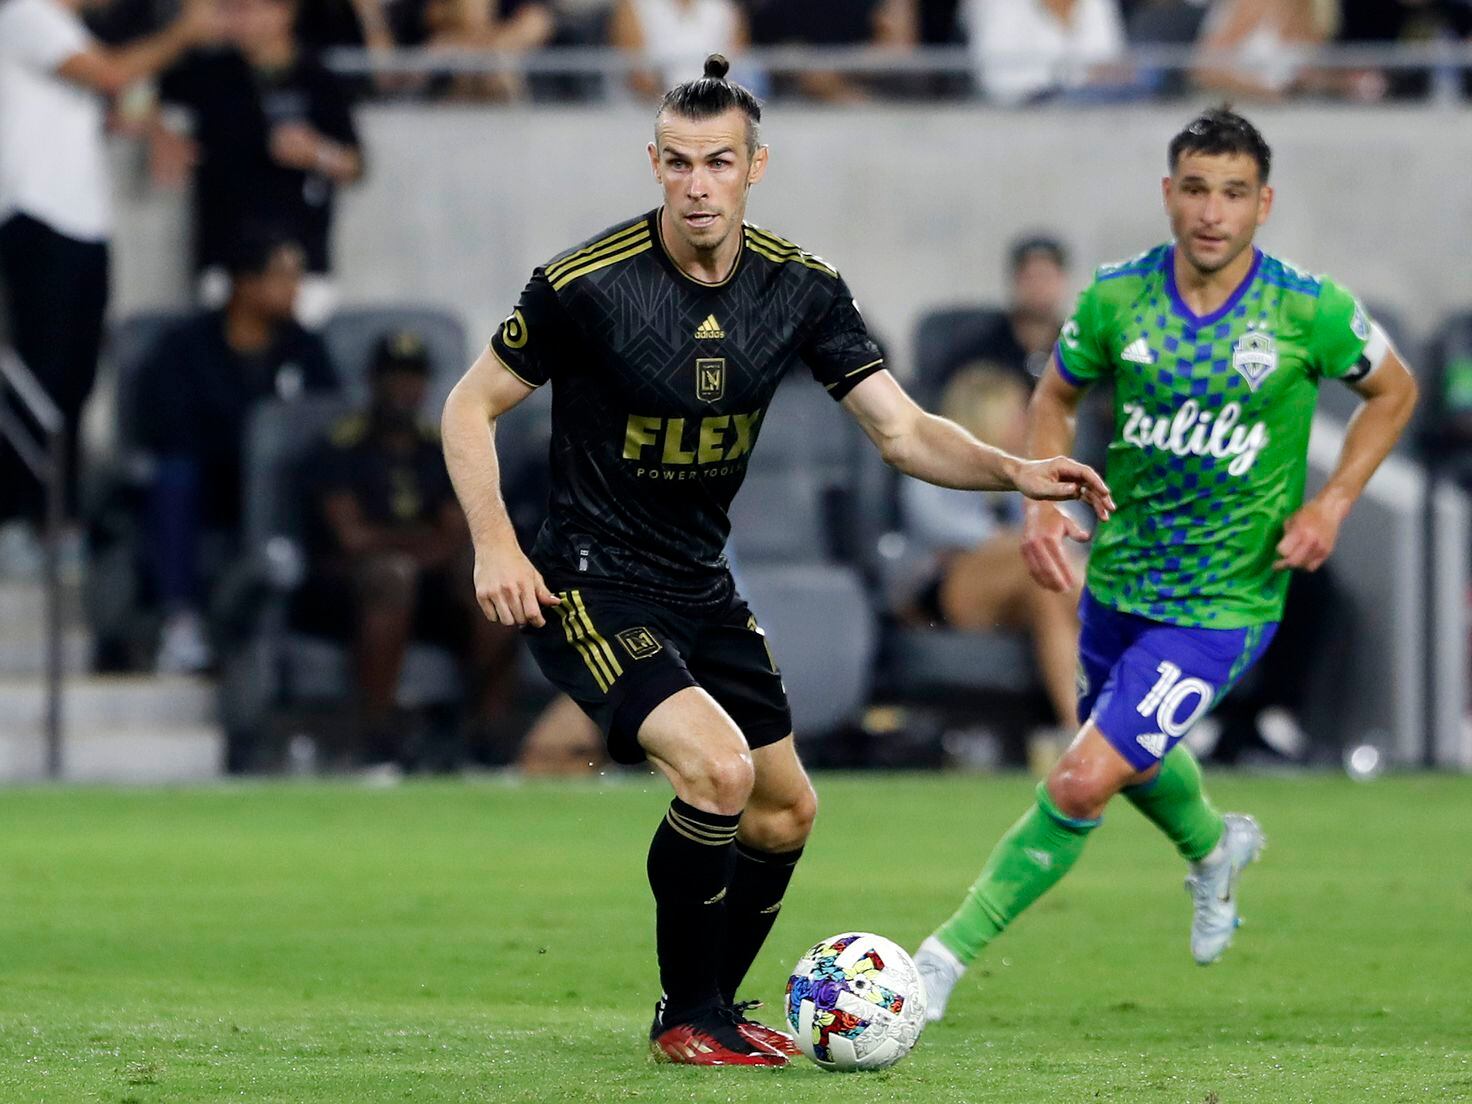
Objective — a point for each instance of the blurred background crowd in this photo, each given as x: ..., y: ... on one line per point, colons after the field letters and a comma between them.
x: 265, y: 503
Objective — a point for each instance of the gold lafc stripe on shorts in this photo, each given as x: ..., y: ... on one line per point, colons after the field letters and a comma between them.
x: 576, y: 634
x: 582, y: 635
x: 572, y: 260
x: 699, y: 833
x: 640, y: 243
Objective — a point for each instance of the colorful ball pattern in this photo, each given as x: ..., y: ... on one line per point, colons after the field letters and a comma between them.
x: 855, y: 1002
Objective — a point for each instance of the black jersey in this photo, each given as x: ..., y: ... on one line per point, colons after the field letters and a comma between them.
x: 659, y: 385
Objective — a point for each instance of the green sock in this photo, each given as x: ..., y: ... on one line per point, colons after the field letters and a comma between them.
x: 1176, y: 804
x: 1034, y: 854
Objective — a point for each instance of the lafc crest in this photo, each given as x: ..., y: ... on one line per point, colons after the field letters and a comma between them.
x: 639, y: 642
x: 710, y: 378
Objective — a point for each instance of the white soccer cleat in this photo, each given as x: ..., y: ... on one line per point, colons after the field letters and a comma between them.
x: 939, y: 972
x: 1212, y: 884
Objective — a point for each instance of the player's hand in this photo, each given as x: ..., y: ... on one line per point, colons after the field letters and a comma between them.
x: 509, y: 589
x: 1061, y: 479
x: 1043, y: 532
x: 1309, y: 535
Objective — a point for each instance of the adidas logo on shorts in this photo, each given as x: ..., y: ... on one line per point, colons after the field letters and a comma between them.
x: 1153, y: 742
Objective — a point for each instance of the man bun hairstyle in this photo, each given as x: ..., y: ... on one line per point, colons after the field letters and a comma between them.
x: 711, y: 95
x: 1220, y: 130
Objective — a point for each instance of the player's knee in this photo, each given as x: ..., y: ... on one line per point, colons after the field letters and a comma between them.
x: 781, y: 827
x: 1079, y: 790
x: 721, y: 782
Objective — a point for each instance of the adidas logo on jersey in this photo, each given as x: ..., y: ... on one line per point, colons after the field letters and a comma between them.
x: 709, y: 328
x: 1153, y: 742
x: 1138, y: 352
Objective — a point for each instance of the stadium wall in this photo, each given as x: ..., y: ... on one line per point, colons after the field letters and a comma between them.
x: 915, y: 205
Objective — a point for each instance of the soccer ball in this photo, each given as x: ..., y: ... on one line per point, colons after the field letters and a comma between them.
x: 855, y: 1002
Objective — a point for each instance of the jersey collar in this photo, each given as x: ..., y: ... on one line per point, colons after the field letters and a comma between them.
x: 1201, y: 320
x: 657, y: 231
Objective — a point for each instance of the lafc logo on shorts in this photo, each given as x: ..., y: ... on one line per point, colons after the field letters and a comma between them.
x: 710, y: 378
x: 709, y: 328
x: 639, y: 642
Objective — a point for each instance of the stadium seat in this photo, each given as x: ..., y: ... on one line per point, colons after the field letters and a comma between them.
x: 352, y: 332
x: 942, y: 340
x: 272, y: 666
x: 823, y: 636
x: 1446, y: 399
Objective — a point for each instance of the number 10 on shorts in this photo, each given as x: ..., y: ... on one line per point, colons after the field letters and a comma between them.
x: 1169, y: 696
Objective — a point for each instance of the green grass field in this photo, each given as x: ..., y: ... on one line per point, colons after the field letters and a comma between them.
x: 492, y: 942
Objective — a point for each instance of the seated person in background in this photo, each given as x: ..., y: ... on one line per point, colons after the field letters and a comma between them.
x: 887, y: 23
x: 1021, y: 341
x: 195, y: 391
x: 675, y: 36
x: 389, y: 552
x: 1029, y: 50
x: 975, y: 578
x: 1268, y: 38
x: 502, y: 26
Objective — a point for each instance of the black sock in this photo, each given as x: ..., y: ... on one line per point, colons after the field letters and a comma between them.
x: 752, y: 905
x: 690, y: 865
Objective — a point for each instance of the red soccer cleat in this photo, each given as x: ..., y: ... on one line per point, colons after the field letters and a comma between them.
x: 713, y: 1038
x: 757, y: 1032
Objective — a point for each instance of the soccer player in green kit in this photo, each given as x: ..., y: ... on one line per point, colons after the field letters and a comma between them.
x: 1216, y: 351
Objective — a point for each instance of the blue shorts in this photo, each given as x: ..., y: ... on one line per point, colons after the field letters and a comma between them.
x: 1145, y: 683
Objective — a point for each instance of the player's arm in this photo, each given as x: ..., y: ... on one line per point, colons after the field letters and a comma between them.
x: 1052, y: 415
x: 509, y: 589
x: 1389, y: 392
x: 937, y: 450
x: 110, y: 69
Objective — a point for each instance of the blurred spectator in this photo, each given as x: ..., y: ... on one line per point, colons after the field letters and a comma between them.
x: 973, y: 576
x: 1031, y: 49
x: 268, y: 134
x: 1021, y: 340
x: 675, y: 36
x: 503, y: 26
x: 390, y: 556
x: 195, y: 391
x: 1390, y: 21
x: 1267, y: 39
x: 887, y: 23
x: 55, y: 211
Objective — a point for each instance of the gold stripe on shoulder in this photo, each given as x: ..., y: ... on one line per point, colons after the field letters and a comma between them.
x: 773, y: 239
x: 604, y: 251
x: 628, y: 232
x: 784, y: 254
x: 641, y: 246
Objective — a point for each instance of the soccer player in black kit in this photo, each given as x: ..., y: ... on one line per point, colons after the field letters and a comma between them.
x: 664, y: 339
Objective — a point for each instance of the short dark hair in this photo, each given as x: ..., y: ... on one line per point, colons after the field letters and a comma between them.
x: 712, y: 95
x: 253, y: 250
x: 1029, y: 246
x: 1220, y: 130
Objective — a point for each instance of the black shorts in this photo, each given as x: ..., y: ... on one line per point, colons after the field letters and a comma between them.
x: 619, y: 656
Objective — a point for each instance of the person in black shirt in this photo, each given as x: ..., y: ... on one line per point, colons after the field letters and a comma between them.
x: 271, y: 136
x: 194, y: 393
x: 665, y: 338
x: 389, y: 551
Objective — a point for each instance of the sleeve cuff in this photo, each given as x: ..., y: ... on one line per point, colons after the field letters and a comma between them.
x: 1068, y: 377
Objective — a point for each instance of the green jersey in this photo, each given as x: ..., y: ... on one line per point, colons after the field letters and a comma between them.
x: 1211, y: 423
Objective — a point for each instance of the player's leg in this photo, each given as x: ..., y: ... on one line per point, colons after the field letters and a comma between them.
x: 1192, y: 669
x: 622, y: 661
x: 692, y: 860
x: 1043, y: 845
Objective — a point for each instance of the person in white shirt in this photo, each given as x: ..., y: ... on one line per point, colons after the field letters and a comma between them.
x: 55, y: 201
x: 1025, y: 49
